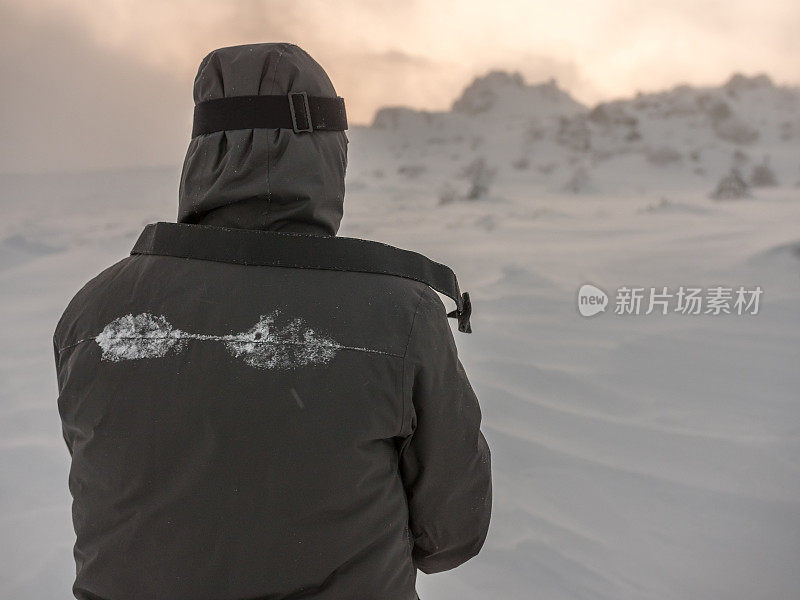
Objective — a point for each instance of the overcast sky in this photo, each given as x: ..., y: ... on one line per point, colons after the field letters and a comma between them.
x: 104, y: 83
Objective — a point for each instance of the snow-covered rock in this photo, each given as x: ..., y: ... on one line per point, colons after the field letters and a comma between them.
x: 531, y: 130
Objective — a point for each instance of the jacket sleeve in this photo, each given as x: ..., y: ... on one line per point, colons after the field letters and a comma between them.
x: 59, y: 379
x: 444, y: 458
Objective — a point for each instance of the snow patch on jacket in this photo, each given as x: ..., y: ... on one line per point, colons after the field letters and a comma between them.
x: 266, y: 345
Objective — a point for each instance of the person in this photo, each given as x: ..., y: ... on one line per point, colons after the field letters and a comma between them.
x: 241, y: 423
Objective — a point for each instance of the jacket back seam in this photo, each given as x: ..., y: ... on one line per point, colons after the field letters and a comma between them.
x: 342, y: 347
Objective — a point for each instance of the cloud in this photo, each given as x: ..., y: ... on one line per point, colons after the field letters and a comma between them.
x: 398, y: 57
x: 97, y: 83
x: 70, y: 104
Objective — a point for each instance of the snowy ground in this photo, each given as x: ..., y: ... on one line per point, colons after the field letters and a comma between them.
x: 635, y: 457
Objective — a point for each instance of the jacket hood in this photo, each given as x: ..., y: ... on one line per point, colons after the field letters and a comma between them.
x: 270, y: 179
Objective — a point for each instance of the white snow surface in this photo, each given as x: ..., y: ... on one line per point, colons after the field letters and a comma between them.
x: 635, y: 457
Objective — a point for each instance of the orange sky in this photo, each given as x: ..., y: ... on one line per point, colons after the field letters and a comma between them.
x: 122, y: 53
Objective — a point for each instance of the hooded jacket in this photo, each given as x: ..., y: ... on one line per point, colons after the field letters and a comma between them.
x: 255, y: 432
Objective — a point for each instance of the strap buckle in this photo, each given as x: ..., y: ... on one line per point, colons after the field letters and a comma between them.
x: 301, y: 112
x: 462, y: 313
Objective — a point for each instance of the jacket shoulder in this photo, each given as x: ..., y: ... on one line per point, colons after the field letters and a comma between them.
x: 83, y: 300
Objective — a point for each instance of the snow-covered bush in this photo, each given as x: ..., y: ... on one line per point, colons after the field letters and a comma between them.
x: 411, y: 171
x: 762, y: 175
x: 731, y: 187
x: 480, y: 176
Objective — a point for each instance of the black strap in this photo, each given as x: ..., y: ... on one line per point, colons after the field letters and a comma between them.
x: 301, y: 251
x: 296, y: 110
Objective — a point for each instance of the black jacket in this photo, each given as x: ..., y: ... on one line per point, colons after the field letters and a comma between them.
x: 257, y: 432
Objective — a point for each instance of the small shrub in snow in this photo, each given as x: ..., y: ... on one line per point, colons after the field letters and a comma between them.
x: 731, y: 187
x: 763, y: 176
x: 411, y: 171
x: 480, y: 176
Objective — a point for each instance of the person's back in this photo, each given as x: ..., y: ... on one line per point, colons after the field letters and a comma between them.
x: 241, y: 430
